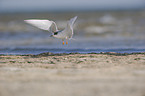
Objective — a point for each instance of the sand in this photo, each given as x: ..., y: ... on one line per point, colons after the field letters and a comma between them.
x: 73, y: 75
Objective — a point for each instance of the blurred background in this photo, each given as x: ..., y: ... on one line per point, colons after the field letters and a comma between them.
x: 102, y: 26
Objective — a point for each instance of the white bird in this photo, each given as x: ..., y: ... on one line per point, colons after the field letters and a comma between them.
x: 51, y: 26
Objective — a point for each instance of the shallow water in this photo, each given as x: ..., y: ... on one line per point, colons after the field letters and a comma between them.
x: 21, y: 51
x: 121, y: 32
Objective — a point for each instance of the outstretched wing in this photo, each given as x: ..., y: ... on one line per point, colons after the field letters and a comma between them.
x: 43, y: 24
x: 72, y: 21
x: 69, y: 28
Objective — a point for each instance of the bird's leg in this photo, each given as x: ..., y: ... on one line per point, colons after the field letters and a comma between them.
x: 66, y: 41
x: 63, y: 42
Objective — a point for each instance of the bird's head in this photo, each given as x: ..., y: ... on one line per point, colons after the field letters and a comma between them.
x: 54, y: 34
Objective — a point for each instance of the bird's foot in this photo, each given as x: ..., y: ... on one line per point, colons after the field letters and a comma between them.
x: 66, y: 43
x: 63, y: 42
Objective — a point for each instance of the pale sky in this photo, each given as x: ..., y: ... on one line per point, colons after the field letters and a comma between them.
x: 8, y: 5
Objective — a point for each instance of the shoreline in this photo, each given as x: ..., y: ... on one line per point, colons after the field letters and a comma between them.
x: 61, y: 54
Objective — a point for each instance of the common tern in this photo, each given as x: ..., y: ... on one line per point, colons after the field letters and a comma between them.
x: 51, y: 26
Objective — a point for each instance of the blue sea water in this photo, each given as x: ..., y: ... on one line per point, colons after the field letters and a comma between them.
x: 94, y: 32
x: 35, y: 51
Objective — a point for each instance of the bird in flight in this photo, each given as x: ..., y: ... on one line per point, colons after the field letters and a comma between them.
x: 51, y: 26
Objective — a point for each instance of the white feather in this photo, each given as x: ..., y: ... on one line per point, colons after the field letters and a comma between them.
x: 67, y: 33
x: 69, y: 28
x: 43, y: 24
x: 72, y: 21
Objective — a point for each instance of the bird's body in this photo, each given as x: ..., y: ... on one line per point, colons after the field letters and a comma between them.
x: 48, y: 25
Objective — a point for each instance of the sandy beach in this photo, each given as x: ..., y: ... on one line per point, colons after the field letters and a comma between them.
x: 72, y: 75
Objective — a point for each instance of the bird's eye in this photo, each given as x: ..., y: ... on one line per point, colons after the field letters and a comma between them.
x: 55, y: 33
